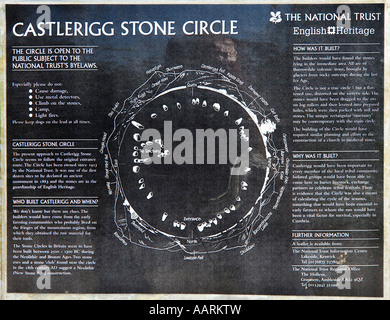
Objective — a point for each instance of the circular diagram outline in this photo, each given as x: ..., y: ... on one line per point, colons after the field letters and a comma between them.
x: 130, y: 225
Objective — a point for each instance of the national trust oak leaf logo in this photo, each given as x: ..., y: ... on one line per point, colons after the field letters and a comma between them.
x: 276, y: 17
